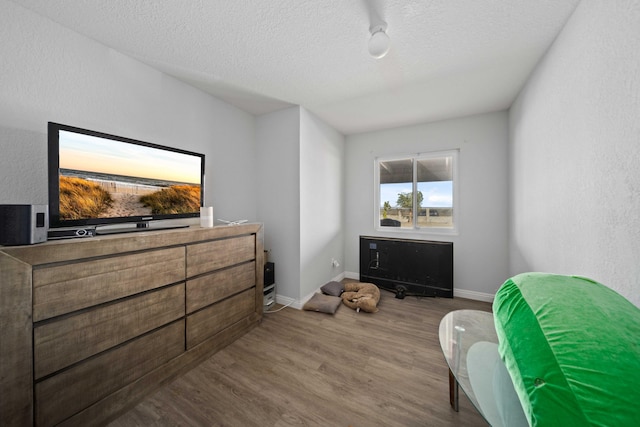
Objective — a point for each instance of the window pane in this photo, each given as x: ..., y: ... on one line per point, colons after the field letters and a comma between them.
x: 435, y: 191
x: 432, y: 176
x: 396, y: 187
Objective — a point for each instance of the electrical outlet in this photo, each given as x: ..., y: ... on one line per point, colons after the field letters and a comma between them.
x: 335, y: 263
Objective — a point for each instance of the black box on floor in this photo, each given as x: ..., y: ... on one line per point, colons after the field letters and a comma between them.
x: 269, y: 274
x: 269, y: 286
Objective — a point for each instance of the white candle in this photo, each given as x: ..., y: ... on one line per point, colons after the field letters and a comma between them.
x: 206, y: 216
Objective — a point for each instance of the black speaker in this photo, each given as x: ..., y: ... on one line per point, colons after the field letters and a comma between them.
x: 269, y: 274
x: 23, y: 224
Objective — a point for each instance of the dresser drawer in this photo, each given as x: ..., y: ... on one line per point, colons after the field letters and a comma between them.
x: 61, y: 289
x: 214, y: 287
x: 62, y: 395
x: 213, y: 319
x: 209, y: 256
x: 71, y: 339
x: 91, y: 326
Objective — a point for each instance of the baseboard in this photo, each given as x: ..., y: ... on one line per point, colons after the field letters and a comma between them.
x: 338, y: 278
x: 351, y: 275
x: 289, y: 302
x: 460, y: 293
x: 478, y: 296
x: 281, y: 299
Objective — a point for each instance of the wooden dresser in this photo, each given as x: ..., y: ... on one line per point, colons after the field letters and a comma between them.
x: 91, y: 326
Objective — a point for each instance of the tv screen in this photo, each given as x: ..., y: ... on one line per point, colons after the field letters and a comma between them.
x: 97, y: 179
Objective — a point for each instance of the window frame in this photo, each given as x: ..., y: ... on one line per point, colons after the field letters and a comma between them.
x: 454, y: 229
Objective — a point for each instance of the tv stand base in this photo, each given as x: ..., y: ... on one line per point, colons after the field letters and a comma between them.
x: 138, y: 227
x: 70, y: 233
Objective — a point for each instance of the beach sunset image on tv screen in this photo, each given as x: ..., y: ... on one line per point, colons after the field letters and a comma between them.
x: 105, y: 178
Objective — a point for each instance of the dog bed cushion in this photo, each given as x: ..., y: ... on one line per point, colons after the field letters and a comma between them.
x: 572, y: 349
x: 333, y: 288
x: 323, y: 303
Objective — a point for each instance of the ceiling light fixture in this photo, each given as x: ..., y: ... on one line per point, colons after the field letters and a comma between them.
x: 379, y: 42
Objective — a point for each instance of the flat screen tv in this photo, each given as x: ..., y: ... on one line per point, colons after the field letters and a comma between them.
x: 100, y: 179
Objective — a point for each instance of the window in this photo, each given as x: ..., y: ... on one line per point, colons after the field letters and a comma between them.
x: 416, y: 192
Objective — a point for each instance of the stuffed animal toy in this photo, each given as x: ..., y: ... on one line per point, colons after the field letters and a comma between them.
x: 361, y: 296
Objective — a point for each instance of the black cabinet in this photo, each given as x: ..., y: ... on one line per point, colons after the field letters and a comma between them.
x: 407, y: 267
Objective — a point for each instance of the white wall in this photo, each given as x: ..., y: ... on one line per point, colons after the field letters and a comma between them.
x: 278, y: 200
x: 480, y: 248
x: 575, y: 153
x: 321, y: 202
x: 300, y: 171
x: 49, y: 73
x: 253, y: 165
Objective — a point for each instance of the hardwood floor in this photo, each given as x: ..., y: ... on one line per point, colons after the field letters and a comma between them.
x: 301, y: 368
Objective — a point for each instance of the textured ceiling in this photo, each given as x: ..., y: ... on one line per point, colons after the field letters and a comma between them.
x: 448, y: 58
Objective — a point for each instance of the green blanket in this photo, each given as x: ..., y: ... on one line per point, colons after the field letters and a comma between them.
x: 572, y: 348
